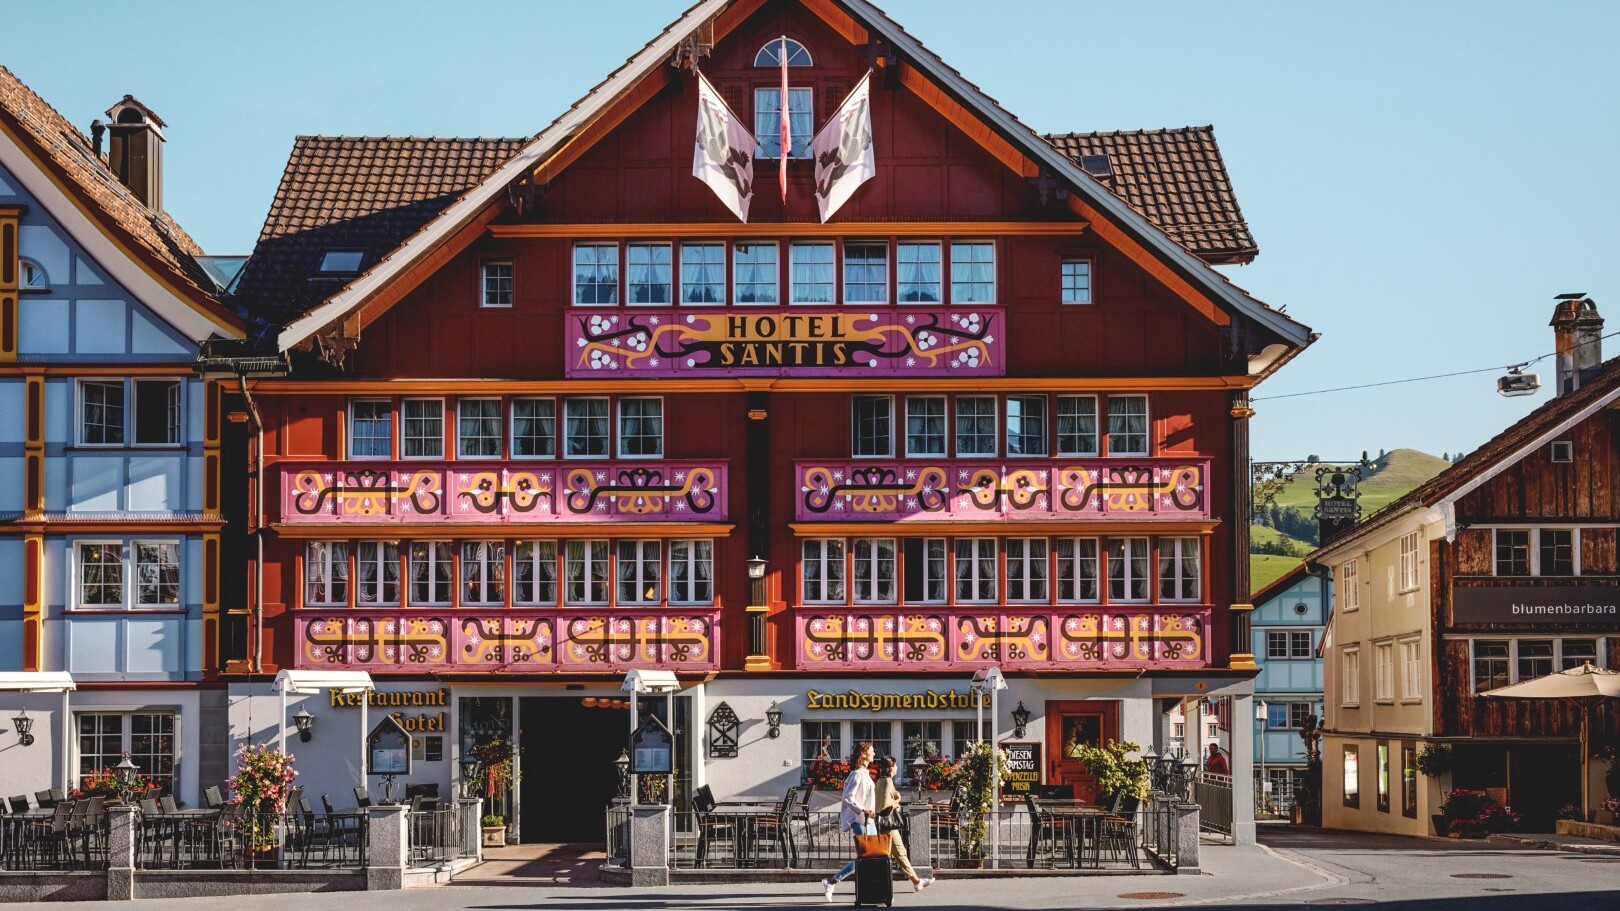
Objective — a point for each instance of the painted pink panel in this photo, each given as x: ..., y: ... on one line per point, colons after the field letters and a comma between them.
x: 325, y: 492
x: 415, y: 640
x: 961, y: 341
x: 1074, y: 638
x: 1007, y: 490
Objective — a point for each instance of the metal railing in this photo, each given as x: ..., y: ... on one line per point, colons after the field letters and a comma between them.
x: 233, y: 839
x: 618, y: 835
x: 436, y: 835
x: 1213, y: 794
x: 1059, y: 838
x: 744, y: 838
x: 53, y: 841
x: 1161, y: 828
x: 1278, y: 804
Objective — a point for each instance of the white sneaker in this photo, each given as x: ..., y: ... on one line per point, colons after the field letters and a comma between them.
x: 924, y: 883
x: 827, y: 887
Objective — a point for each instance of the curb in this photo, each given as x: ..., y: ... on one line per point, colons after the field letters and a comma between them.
x: 1603, y: 850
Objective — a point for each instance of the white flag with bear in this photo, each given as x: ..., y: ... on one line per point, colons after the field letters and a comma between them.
x: 843, y: 150
x: 724, y: 155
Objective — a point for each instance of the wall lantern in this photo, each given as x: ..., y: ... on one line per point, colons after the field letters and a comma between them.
x: 773, y: 721
x: 469, y: 775
x: 124, y: 774
x: 1260, y: 712
x: 756, y: 567
x: 24, y: 724
x: 305, y: 723
x: 1020, y: 717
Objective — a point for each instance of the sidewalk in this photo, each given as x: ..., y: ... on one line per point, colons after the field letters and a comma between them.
x: 1571, y: 843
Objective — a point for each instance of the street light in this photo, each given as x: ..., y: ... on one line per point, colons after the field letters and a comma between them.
x: 469, y: 774
x: 756, y: 567
x: 989, y: 680
x: 305, y: 723
x: 623, y: 766
x: 124, y: 774
x: 1261, y: 717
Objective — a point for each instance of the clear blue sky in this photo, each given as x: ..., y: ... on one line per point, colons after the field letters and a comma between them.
x: 1422, y: 178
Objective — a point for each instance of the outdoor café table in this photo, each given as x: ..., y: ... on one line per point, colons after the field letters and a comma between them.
x: 1080, y: 820
x: 744, y: 818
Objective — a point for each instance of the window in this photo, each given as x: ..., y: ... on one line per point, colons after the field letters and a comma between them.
x: 1287, y: 716
x: 641, y: 572
x: 1127, y: 569
x: 1556, y: 549
x: 1499, y: 662
x: 973, y: 273
x: 1352, y: 776
x: 148, y: 738
x: 478, y: 429
x: 585, y: 427
x: 1076, y: 570
x: 925, y: 425
x: 430, y: 568
x: 823, y: 571
x: 371, y: 429
x: 756, y: 280
x: 975, y: 570
x: 101, y: 413
x: 596, y: 274
x: 1178, y: 730
x: 1491, y: 663
x: 917, y: 273
x: 1288, y: 644
x: 421, y: 429
x: 964, y: 734
x: 1512, y: 552
x: 878, y: 733
x: 810, y: 273
x: 1535, y: 658
x: 975, y: 425
x: 872, y: 431
x: 771, y: 53
x: 873, y: 575
x: 534, y: 428
x: 691, y: 571
x: 703, y: 273
x: 1212, y: 731
x: 497, y: 284
x: 377, y: 570
x: 1349, y: 590
x: 768, y: 121
x: 1127, y: 425
x: 923, y: 738
x: 1026, y: 569
x: 925, y: 570
x: 534, y: 573
x: 1562, y: 451
x: 1576, y: 652
x: 648, y: 275
x: 1076, y: 281
x: 1076, y: 425
x: 1411, y: 670
x: 585, y: 572
x: 866, y: 273
x: 483, y: 572
x: 1026, y: 425
x: 34, y: 276
x: 157, y: 412
x: 641, y: 427
x: 1351, y: 667
x: 1384, y: 672
x: 103, y: 567
x: 326, y: 573
x: 1409, y: 561
x: 1180, y: 578
x: 157, y: 573
x: 1382, y: 750
x: 820, y: 741
x: 1409, y: 779
x: 101, y: 575
x: 342, y: 262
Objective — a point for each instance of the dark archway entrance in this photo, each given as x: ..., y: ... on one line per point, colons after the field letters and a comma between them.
x: 568, y: 776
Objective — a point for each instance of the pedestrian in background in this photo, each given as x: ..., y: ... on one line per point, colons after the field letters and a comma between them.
x: 888, y: 800
x: 858, y: 809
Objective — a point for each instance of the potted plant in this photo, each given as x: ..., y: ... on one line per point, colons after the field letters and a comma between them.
x: 1611, y: 805
x: 1434, y: 760
x: 1473, y: 814
x: 1116, y: 770
x: 104, y: 783
x: 262, y: 783
x: 494, y: 831
x: 976, y: 799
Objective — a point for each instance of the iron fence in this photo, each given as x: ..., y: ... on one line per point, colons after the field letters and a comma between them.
x: 1213, y: 794
x: 1161, y: 828
x: 618, y: 835
x: 1278, y: 804
x: 67, y: 838
x: 436, y: 835
x: 232, y: 838
x: 1056, y: 837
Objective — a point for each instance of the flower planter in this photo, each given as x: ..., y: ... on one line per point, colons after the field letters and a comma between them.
x: 494, y: 836
x: 1440, y: 824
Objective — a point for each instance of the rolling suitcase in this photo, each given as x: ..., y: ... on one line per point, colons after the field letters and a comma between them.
x: 874, y: 882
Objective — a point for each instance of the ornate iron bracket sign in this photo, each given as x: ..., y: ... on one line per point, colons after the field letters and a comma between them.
x: 723, y: 726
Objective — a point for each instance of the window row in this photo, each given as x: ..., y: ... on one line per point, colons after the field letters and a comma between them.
x: 1384, y: 775
x: 1537, y: 551
x: 823, y: 741
x: 112, y: 575
x: 1288, y: 716
x: 517, y: 428
x: 1499, y: 662
x: 130, y: 412
x: 988, y: 425
x: 1409, y: 653
x: 993, y: 571
x: 593, y: 573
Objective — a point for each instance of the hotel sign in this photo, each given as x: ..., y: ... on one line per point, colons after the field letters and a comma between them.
x: 854, y: 700
x: 1548, y: 606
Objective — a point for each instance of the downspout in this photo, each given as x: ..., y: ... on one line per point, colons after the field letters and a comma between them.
x: 256, y: 642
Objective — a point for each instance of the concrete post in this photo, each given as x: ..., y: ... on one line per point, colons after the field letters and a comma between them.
x: 919, y: 842
x: 122, y: 821
x: 649, y: 844
x: 472, y: 826
x: 388, y: 847
x: 1187, y: 837
x: 1242, y: 721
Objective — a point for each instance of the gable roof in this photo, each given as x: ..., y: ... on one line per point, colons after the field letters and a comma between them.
x: 1281, y: 584
x: 1177, y: 180
x: 154, y: 238
x: 455, y: 219
x: 1496, y: 455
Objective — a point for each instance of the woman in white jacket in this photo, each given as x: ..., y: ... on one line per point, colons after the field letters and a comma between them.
x: 857, y: 810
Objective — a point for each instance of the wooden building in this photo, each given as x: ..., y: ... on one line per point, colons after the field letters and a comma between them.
x: 1502, y: 568
x: 555, y: 412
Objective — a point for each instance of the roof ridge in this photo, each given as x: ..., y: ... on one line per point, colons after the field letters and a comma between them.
x: 1140, y: 131
x: 347, y: 137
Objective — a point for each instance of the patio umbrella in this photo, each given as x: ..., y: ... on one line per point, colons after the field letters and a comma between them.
x: 1585, y: 686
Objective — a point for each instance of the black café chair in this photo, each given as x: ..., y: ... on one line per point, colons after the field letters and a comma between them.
x: 18, y: 804
x: 213, y: 798
x: 710, y: 828
x: 771, y: 829
x: 1116, y: 833
x: 361, y: 798
x: 44, y: 800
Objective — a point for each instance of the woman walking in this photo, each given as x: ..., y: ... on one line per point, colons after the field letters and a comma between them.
x: 857, y: 810
x: 888, y: 797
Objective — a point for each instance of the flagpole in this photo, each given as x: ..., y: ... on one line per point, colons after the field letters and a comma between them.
x: 787, y: 128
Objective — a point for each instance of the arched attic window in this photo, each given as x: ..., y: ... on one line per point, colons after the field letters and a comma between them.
x: 33, y: 276
x: 771, y: 54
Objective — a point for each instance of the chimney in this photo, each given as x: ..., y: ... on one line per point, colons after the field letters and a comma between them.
x: 1578, y: 333
x: 135, y: 150
x: 98, y: 129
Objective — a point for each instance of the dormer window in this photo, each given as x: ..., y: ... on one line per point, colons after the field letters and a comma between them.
x: 768, y: 104
x: 33, y: 276
x: 771, y: 53
x: 342, y: 262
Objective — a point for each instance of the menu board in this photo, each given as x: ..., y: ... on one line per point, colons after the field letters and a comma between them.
x: 652, y: 749
x: 1023, y: 769
x: 388, y: 749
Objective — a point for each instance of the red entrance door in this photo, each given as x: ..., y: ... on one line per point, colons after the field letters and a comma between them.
x: 1069, y: 725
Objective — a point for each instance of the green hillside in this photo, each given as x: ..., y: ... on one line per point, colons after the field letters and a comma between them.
x: 1265, y: 569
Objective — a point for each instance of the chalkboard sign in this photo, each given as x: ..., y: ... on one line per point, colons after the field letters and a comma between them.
x: 388, y: 748
x: 652, y: 749
x: 1023, y: 769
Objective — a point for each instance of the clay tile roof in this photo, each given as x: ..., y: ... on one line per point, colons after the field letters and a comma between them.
x: 365, y: 193
x: 1176, y: 179
x: 61, y: 145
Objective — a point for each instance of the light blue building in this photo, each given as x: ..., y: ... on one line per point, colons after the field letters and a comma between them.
x: 1289, y: 617
x: 109, y: 452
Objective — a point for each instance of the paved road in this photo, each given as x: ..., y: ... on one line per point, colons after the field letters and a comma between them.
x: 1291, y: 868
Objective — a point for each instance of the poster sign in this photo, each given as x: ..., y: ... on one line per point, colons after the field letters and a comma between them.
x: 388, y: 748
x: 1023, y: 769
x: 1550, y: 606
x: 652, y: 749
